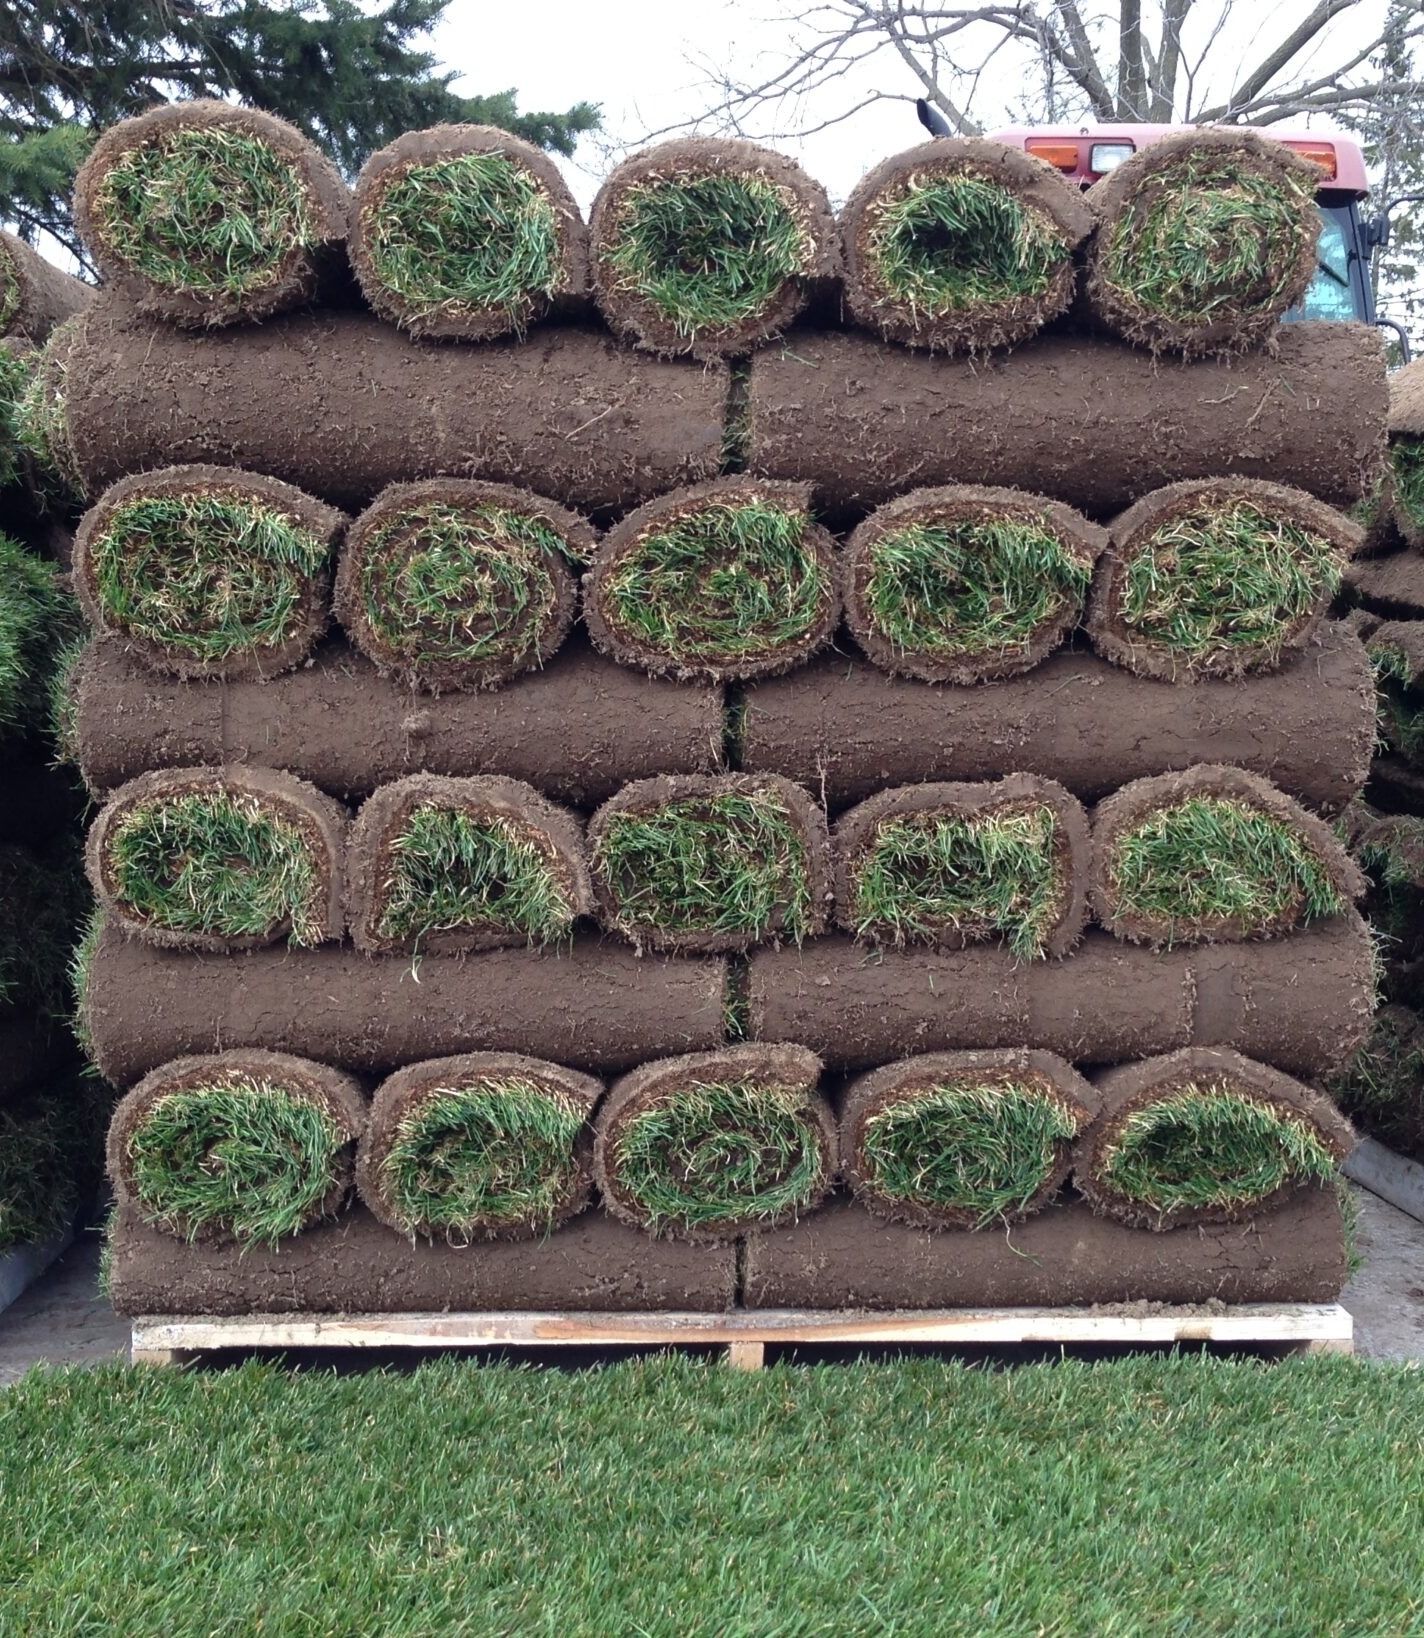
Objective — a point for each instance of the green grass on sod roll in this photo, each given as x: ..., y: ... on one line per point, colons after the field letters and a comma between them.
x: 218, y: 863
x: 36, y: 614
x: 1206, y: 1146
x: 205, y: 209
x: 244, y: 1155
x: 993, y: 873
x: 207, y: 575
x: 731, y: 863
x: 972, y: 588
x: 41, y: 419
x: 450, y: 869
x: 493, y: 1153
x: 475, y: 233
x: 721, y: 584
x: 1211, y: 858
x: 18, y: 368
x: 9, y: 290
x: 1406, y: 458
x: 62, y: 701
x: 980, y: 1148
x: 707, y: 251
x: 81, y: 960
x: 1227, y: 578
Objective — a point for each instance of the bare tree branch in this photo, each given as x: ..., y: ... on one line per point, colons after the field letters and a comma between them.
x: 1289, y: 48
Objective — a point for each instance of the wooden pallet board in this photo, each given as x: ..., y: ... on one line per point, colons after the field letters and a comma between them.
x: 746, y: 1333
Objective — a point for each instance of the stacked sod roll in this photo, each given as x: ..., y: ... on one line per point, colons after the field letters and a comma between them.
x: 624, y: 781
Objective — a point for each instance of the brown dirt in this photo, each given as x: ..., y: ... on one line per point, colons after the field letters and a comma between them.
x: 390, y: 165
x: 647, y: 1086
x: 1301, y: 1004
x: 1406, y: 401
x: 597, y: 1007
x: 1039, y: 189
x: 1135, y: 186
x: 856, y: 831
x: 903, y: 1083
x: 577, y: 730
x: 1133, y: 531
x: 339, y: 1095
x: 1134, y: 804
x: 355, y: 1266
x: 648, y: 795
x: 1072, y: 417
x: 844, y: 1258
x: 1391, y: 586
x: 343, y: 406
x: 322, y: 823
x: 630, y: 648
x: 309, y: 618
x: 949, y: 507
x: 634, y: 319
x: 845, y: 729
x: 402, y: 1093
x: 303, y: 273
x: 440, y: 675
x: 46, y: 295
x: 1137, y: 1086
x: 384, y: 817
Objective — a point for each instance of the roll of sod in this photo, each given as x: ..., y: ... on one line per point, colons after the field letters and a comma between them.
x: 343, y: 405
x: 1214, y: 853
x: 247, y: 1145
x: 205, y: 214
x: 41, y: 427
x: 705, y: 1146
x: 961, y: 245
x: 19, y: 365
x: 220, y: 859
x: 35, y: 295
x: 597, y: 1007
x: 1391, y: 587
x: 1406, y: 452
x: 954, y: 865
x: 727, y: 580
x: 963, y: 1139
x: 1205, y: 237
x: 577, y: 730
x: 710, y: 862
x: 846, y: 729
x: 1217, y: 578
x: 1302, y: 1004
x: 465, y: 232
x: 202, y: 571
x: 491, y: 1145
x: 36, y: 614
x: 1396, y: 650
x: 1204, y: 1136
x: 43, y: 903
x: 708, y: 245
x: 843, y: 1257
x: 455, y: 584
x: 967, y: 584
x: 442, y: 866
x: 1382, y: 1087
x: 863, y: 422
x: 51, y: 1143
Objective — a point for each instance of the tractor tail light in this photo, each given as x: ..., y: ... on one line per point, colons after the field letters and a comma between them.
x: 1318, y: 153
x: 1062, y: 155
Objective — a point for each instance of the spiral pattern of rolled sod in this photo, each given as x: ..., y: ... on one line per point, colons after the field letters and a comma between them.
x: 243, y: 1145
x: 452, y: 583
x: 710, y: 1144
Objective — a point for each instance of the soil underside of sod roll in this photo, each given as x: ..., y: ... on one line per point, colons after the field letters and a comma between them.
x: 845, y: 729
x: 962, y: 246
x: 597, y: 1007
x: 355, y: 1265
x: 1217, y: 578
x: 453, y: 584
x: 442, y: 866
x: 967, y: 584
x: 1391, y: 585
x: 35, y: 295
x: 1070, y: 417
x: 577, y: 730
x: 1301, y: 1003
x: 843, y: 1257
x: 957, y: 864
x: 710, y: 863
x: 343, y: 405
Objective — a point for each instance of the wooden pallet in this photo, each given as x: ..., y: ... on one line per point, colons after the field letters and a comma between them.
x: 1301, y: 1327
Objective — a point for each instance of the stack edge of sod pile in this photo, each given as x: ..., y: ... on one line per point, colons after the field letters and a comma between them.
x: 722, y: 756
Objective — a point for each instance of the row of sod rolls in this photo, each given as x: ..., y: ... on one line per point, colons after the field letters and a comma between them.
x: 450, y: 584
x: 214, y: 858
x: 259, y: 1146
x: 703, y: 246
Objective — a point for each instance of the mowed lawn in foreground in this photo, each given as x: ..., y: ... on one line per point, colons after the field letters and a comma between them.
x: 1155, y: 1496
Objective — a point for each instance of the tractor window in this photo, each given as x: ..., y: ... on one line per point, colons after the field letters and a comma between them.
x: 1333, y: 291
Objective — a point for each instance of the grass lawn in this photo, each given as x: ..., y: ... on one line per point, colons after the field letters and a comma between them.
x: 1147, y: 1496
